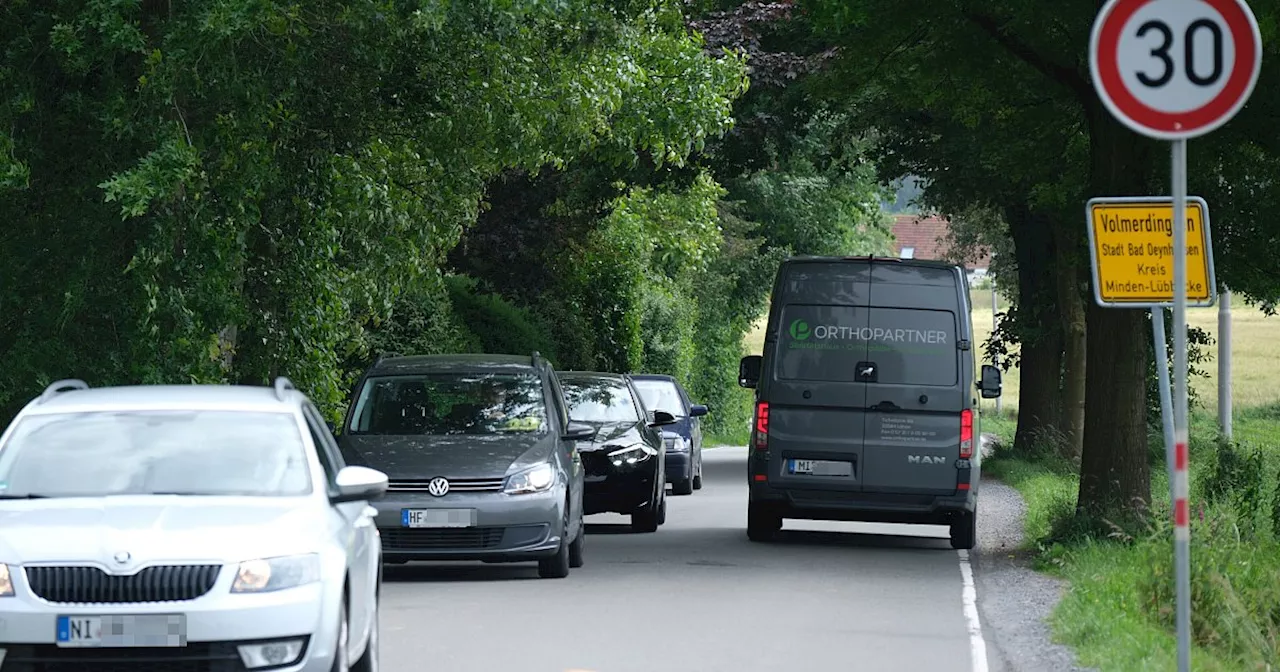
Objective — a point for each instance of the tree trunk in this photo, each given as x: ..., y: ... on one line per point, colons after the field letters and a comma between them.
x: 1038, y: 331
x: 1071, y: 312
x: 1115, y: 475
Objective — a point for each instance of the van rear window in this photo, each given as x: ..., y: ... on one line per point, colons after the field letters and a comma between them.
x: 913, y: 346
x: 821, y: 342
x: 908, y: 346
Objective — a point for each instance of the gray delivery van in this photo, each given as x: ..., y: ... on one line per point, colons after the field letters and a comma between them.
x: 865, y: 397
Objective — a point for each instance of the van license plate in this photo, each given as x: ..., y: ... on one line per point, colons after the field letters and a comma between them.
x: 820, y: 468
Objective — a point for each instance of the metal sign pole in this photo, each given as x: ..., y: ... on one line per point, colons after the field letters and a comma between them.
x: 1161, y: 343
x: 1181, y: 506
x: 1224, y: 362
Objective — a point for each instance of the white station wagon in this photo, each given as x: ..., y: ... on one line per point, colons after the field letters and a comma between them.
x: 184, y: 528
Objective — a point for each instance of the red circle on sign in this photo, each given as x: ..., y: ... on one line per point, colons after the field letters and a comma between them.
x: 1215, y: 112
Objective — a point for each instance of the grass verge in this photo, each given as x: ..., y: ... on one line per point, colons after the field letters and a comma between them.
x: 1118, y: 612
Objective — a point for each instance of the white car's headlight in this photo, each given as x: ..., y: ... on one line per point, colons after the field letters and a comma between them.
x: 536, y: 479
x: 631, y: 455
x: 6, y: 582
x: 270, y: 574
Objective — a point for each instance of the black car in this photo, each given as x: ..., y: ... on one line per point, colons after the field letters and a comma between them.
x: 684, y: 441
x: 480, y: 456
x: 624, y: 460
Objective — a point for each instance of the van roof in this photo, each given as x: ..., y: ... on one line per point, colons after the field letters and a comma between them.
x: 929, y: 263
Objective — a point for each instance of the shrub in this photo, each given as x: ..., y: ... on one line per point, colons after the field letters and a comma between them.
x: 497, y: 325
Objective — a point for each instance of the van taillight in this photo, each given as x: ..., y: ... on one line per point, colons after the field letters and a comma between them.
x: 762, y: 425
x: 966, y: 434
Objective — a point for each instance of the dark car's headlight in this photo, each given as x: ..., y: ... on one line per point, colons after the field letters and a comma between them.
x: 535, y: 479
x: 631, y: 455
x: 676, y: 444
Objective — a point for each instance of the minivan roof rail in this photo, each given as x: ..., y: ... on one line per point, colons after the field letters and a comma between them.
x: 282, y: 387
x: 59, y: 386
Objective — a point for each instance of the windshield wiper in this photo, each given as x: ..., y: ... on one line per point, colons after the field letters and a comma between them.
x: 27, y: 496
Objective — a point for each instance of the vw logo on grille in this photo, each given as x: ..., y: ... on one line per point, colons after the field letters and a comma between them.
x: 439, y: 486
x: 121, y: 557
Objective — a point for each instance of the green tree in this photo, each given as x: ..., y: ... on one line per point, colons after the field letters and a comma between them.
x: 992, y: 103
x: 233, y: 190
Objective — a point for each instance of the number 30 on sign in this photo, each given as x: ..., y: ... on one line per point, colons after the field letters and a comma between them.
x: 1175, y: 69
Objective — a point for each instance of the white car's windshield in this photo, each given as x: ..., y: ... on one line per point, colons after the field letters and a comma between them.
x: 93, y: 454
x: 661, y: 395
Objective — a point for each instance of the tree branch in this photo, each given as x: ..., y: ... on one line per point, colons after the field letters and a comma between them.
x: 1057, y: 72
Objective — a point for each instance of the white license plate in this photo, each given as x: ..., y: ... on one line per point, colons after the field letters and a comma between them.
x: 116, y: 631
x: 820, y: 468
x: 438, y: 517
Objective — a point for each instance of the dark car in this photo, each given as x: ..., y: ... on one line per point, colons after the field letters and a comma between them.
x: 624, y: 459
x: 684, y: 456
x: 480, y: 457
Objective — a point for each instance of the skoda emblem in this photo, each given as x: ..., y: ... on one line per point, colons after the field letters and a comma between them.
x: 121, y: 557
x: 439, y: 486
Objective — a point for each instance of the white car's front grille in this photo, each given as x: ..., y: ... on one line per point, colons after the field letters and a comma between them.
x: 91, y: 585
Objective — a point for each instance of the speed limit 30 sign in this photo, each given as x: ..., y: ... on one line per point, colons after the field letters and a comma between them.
x: 1175, y: 69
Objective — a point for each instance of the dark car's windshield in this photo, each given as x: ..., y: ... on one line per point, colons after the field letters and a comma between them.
x: 661, y: 395
x: 156, y: 452
x: 599, y: 400
x: 450, y: 403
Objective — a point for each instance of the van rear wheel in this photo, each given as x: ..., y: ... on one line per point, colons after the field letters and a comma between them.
x: 763, y: 523
x: 964, y: 530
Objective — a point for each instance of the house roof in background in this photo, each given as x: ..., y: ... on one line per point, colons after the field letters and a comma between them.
x: 926, y: 235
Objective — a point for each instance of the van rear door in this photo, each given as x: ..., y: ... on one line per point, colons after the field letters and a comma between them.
x: 817, y: 409
x: 916, y: 394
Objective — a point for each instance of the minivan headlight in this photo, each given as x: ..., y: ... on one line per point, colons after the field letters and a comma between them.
x: 6, y: 582
x: 631, y: 455
x: 677, y: 444
x: 270, y: 574
x: 536, y: 479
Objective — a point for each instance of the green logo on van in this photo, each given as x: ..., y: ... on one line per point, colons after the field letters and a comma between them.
x: 800, y: 330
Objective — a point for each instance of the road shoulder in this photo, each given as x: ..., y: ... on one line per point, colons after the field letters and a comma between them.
x: 1014, y: 601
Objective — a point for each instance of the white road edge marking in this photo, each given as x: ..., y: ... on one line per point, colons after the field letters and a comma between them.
x: 977, y: 645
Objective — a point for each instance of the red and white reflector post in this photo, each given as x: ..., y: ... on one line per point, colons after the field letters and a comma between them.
x: 1181, y: 502
x: 1173, y: 70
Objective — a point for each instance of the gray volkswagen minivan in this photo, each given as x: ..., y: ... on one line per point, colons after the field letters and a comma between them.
x: 864, y: 397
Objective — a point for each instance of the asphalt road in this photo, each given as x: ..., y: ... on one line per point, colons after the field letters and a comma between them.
x: 696, y: 595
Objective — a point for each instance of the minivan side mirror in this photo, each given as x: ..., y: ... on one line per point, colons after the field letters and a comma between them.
x: 697, y: 411
x: 359, y: 483
x: 578, y: 431
x: 990, y: 386
x: 661, y: 418
x: 749, y: 370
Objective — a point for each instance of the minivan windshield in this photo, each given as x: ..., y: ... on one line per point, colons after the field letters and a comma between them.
x: 450, y: 403
x: 599, y: 400
x: 187, y: 452
x: 661, y: 395
x: 904, y: 346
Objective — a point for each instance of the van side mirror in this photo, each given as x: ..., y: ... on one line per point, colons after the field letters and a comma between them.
x: 990, y: 385
x: 749, y: 370
x: 697, y: 411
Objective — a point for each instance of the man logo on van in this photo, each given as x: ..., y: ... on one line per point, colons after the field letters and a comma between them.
x: 799, y: 330
x: 926, y: 459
